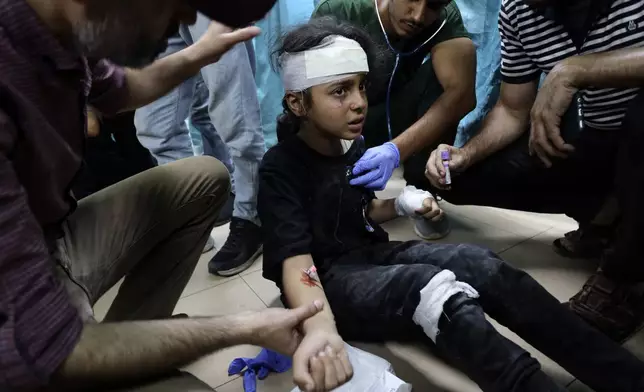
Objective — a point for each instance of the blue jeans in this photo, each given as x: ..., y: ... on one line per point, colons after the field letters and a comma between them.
x: 222, y: 105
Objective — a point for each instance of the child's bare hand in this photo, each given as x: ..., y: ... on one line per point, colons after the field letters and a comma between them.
x: 430, y: 210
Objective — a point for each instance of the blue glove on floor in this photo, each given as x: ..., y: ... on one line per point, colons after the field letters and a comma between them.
x: 376, y: 166
x: 261, y: 366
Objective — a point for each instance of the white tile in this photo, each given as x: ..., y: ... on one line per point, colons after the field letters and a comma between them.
x: 103, y: 304
x: 578, y: 386
x: 525, y: 224
x: 230, y: 297
x: 464, y: 230
x: 561, y: 276
x: 201, y: 279
x: 273, y: 383
x: 257, y: 266
x: 266, y: 290
x: 636, y: 344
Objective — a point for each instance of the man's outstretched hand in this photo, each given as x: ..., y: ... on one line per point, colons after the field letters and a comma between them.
x: 218, y: 39
x: 275, y: 328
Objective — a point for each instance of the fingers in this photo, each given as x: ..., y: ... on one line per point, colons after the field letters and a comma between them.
x: 302, y: 376
x: 318, y: 374
x: 305, y: 312
x: 346, y: 364
x: 234, y: 37
x: 330, y: 377
x: 340, y: 372
x: 537, y: 142
x: 364, y: 164
x: 434, y: 170
x: 432, y: 210
x: 366, y: 178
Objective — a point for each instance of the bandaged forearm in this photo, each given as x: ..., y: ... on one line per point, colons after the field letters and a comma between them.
x: 410, y: 200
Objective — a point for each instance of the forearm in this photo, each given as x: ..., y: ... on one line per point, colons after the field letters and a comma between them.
x: 159, y: 78
x: 443, y: 116
x: 299, y: 291
x: 381, y: 211
x: 116, y: 352
x: 620, y: 68
x: 501, y: 127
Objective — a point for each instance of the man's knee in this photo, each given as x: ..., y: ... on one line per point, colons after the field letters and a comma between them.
x: 198, y: 178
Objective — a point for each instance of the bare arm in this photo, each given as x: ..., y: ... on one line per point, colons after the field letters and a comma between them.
x: 619, y: 68
x: 381, y: 211
x: 131, y: 351
x: 156, y: 80
x: 505, y: 123
x: 115, y: 352
x: 454, y: 62
x: 299, y: 290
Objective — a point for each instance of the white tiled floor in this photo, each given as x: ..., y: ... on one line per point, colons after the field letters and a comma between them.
x: 521, y: 238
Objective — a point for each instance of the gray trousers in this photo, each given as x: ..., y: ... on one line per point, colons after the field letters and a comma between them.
x: 149, y: 229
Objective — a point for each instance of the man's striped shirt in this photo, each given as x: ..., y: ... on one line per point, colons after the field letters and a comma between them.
x: 533, y: 44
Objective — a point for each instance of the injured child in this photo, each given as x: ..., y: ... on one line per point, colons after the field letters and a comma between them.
x: 323, y: 241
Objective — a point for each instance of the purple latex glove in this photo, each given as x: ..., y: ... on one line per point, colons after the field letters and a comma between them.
x: 376, y: 166
x: 259, y: 367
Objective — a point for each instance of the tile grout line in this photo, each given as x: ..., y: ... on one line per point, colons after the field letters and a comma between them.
x: 234, y: 378
x: 253, y: 290
x: 526, y: 240
x: 228, y: 280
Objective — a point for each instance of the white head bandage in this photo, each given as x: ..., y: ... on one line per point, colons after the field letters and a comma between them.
x: 332, y: 60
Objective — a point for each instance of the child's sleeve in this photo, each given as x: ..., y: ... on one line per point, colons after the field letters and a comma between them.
x: 282, y: 211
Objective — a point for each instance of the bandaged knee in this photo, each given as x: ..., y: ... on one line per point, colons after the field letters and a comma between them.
x: 433, y: 297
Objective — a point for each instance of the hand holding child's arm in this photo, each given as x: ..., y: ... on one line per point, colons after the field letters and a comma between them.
x: 321, y: 361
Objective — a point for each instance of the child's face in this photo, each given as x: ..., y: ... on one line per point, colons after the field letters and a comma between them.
x: 339, y: 109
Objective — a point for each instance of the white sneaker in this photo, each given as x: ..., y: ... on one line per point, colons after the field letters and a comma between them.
x: 210, y: 245
x: 430, y: 230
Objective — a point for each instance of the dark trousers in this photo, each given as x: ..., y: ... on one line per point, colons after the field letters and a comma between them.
x: 408, y: 104
x: 112, y: 156
x: 375, y: 291
x: 576, y: 186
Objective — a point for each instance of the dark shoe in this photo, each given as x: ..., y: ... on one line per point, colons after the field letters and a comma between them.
x: 242, y: 248
x: 226, y: 213
x: 588, y: 242
x: 613, y: 308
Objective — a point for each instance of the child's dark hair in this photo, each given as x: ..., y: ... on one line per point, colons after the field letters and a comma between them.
x: 310, y: 35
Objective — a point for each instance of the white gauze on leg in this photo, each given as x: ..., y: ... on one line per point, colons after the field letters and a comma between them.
x: 433, y: 297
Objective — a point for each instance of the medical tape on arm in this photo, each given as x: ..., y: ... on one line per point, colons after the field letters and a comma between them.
x: 334, y: 59
x: 433, y: 297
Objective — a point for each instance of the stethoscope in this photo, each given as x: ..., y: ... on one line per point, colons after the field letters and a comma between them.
x: 398, y: 56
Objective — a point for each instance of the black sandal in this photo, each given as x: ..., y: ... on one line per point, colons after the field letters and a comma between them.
x: 585, y: 243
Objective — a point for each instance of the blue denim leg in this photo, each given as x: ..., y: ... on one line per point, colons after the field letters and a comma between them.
x: 211, y: 142
x: 160, y: 126
x: 234, y: 111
